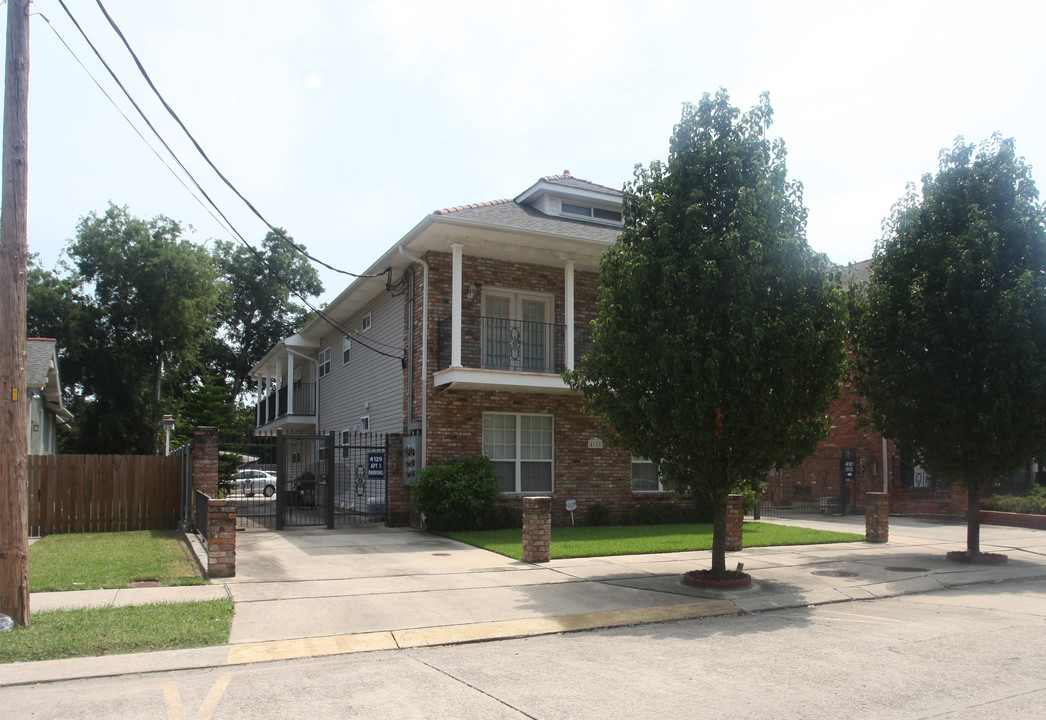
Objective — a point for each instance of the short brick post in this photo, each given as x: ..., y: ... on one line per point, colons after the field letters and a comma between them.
x: 537, y: 529
x: 221, y: 538
x: 205, y: 461
x: 876, y: 517
x: 735, y: 518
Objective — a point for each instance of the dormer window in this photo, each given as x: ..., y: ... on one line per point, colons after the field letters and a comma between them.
x: 591, y: 212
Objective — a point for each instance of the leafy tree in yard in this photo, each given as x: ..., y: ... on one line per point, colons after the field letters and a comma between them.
x: 951, y: 343
x: 208, y: 402
x: 719, y: 340
x: 258, y: 309
x: 149, y: 298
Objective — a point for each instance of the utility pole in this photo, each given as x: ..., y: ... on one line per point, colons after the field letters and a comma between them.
x: 14, y: 250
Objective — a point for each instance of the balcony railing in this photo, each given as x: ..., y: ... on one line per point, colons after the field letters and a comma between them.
x: 274, y: 406
x: 491, y: 343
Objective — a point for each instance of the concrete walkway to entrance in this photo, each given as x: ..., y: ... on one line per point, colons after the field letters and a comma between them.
x: 306, y: 592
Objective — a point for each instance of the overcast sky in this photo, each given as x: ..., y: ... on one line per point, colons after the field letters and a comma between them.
x: 346, y: 122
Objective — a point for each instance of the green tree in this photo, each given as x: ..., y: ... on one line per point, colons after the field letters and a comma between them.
x: 150, y: 298
x: 258, y: 309
x: 209, y: 402
x: 951, y: 344
x: 719, y: 339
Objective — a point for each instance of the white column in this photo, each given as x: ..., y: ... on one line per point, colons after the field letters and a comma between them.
x: 290, y: 384
x: 261, y: 399
x: 455, y: 310
x: 279, y: 385
x: 268, y: 394
x: 568, y: 311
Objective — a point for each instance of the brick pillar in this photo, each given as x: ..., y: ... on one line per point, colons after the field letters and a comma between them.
x: 735, y: 518
x: 205, y: 461
x: 221, y: 538
x: 876, y: 517
x: 537, y: 529
x: 397, y: 498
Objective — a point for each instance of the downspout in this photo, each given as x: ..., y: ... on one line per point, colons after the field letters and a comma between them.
x: 410, y: 347
x: 424, y: 352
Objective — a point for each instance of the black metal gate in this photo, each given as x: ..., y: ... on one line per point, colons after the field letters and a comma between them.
x: 331, y: 480
x: 247, y: 474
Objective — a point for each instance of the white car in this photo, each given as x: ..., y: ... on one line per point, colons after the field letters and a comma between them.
x: 251, y: 481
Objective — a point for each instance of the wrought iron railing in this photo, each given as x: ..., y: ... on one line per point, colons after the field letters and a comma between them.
x: 274, y: 405
x: 493, y: 343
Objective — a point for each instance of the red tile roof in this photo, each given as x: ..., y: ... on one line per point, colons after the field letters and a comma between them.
x: 491, y: 203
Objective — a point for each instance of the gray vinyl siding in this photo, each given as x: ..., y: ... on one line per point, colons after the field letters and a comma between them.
x: 369, y: 377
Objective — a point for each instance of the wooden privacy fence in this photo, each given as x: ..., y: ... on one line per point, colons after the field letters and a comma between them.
x: 103, y: 493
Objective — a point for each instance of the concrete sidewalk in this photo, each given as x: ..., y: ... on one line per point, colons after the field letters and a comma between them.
x: 312, y: 592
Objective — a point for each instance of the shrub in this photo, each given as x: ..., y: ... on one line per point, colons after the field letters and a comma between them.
x: 457, y: 494
x: 599, y: 515
x: 1034, y: 504
x: 675, y: 513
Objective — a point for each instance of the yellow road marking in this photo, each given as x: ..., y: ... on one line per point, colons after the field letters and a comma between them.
x: 175, y: 710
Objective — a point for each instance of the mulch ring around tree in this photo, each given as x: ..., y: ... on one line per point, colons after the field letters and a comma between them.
x: 978, y: 559
x: 705, y: 579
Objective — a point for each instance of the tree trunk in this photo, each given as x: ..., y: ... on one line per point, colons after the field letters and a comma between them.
x: 719, y: 538
x: 973, y: 521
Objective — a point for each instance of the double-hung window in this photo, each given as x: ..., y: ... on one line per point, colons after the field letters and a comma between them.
x: 520, y: 447
x: 645, y: 477
x: 516, y: 331
x: 346, y: 351
x: 324, y: 363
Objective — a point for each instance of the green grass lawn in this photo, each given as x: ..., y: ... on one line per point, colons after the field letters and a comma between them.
x: 92, y: 632
x: 92, y: 561
x: 586, y: 541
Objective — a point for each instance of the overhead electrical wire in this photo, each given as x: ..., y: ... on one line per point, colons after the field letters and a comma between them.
x: 204, y: 155
x: 221, y: 221
x: 228, y: 224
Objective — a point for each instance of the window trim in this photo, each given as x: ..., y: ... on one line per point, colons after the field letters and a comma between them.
x: 364, y: 423
x: 516, y: 298
x: 323, y: 362
x: 346, y: 351
x: 660, y: 484
x: 368, y: 320
x: 518, y: 460
x: 578, y: 210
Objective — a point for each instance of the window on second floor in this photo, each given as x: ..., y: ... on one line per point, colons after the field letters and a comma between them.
x: 323, y: 363
x: 516, y: 334
x: 589, y: 211
x: 346, y: 351
x: 366, y: 323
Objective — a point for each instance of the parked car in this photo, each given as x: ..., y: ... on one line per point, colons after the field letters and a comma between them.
x: 250, y: 481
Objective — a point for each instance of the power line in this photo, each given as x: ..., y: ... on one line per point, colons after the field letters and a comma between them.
x: 209, y: 211
x: 257, y: 255
x: 203, y: 154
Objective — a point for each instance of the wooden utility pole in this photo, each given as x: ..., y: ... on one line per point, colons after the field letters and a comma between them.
x: 14, y: 249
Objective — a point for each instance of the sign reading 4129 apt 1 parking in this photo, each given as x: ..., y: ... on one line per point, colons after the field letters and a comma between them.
x: 375, y: 466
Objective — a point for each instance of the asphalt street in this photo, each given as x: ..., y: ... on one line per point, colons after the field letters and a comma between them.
x: 967, y: 652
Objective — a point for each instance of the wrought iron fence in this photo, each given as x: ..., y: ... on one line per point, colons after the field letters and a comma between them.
x: 493, y: 343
